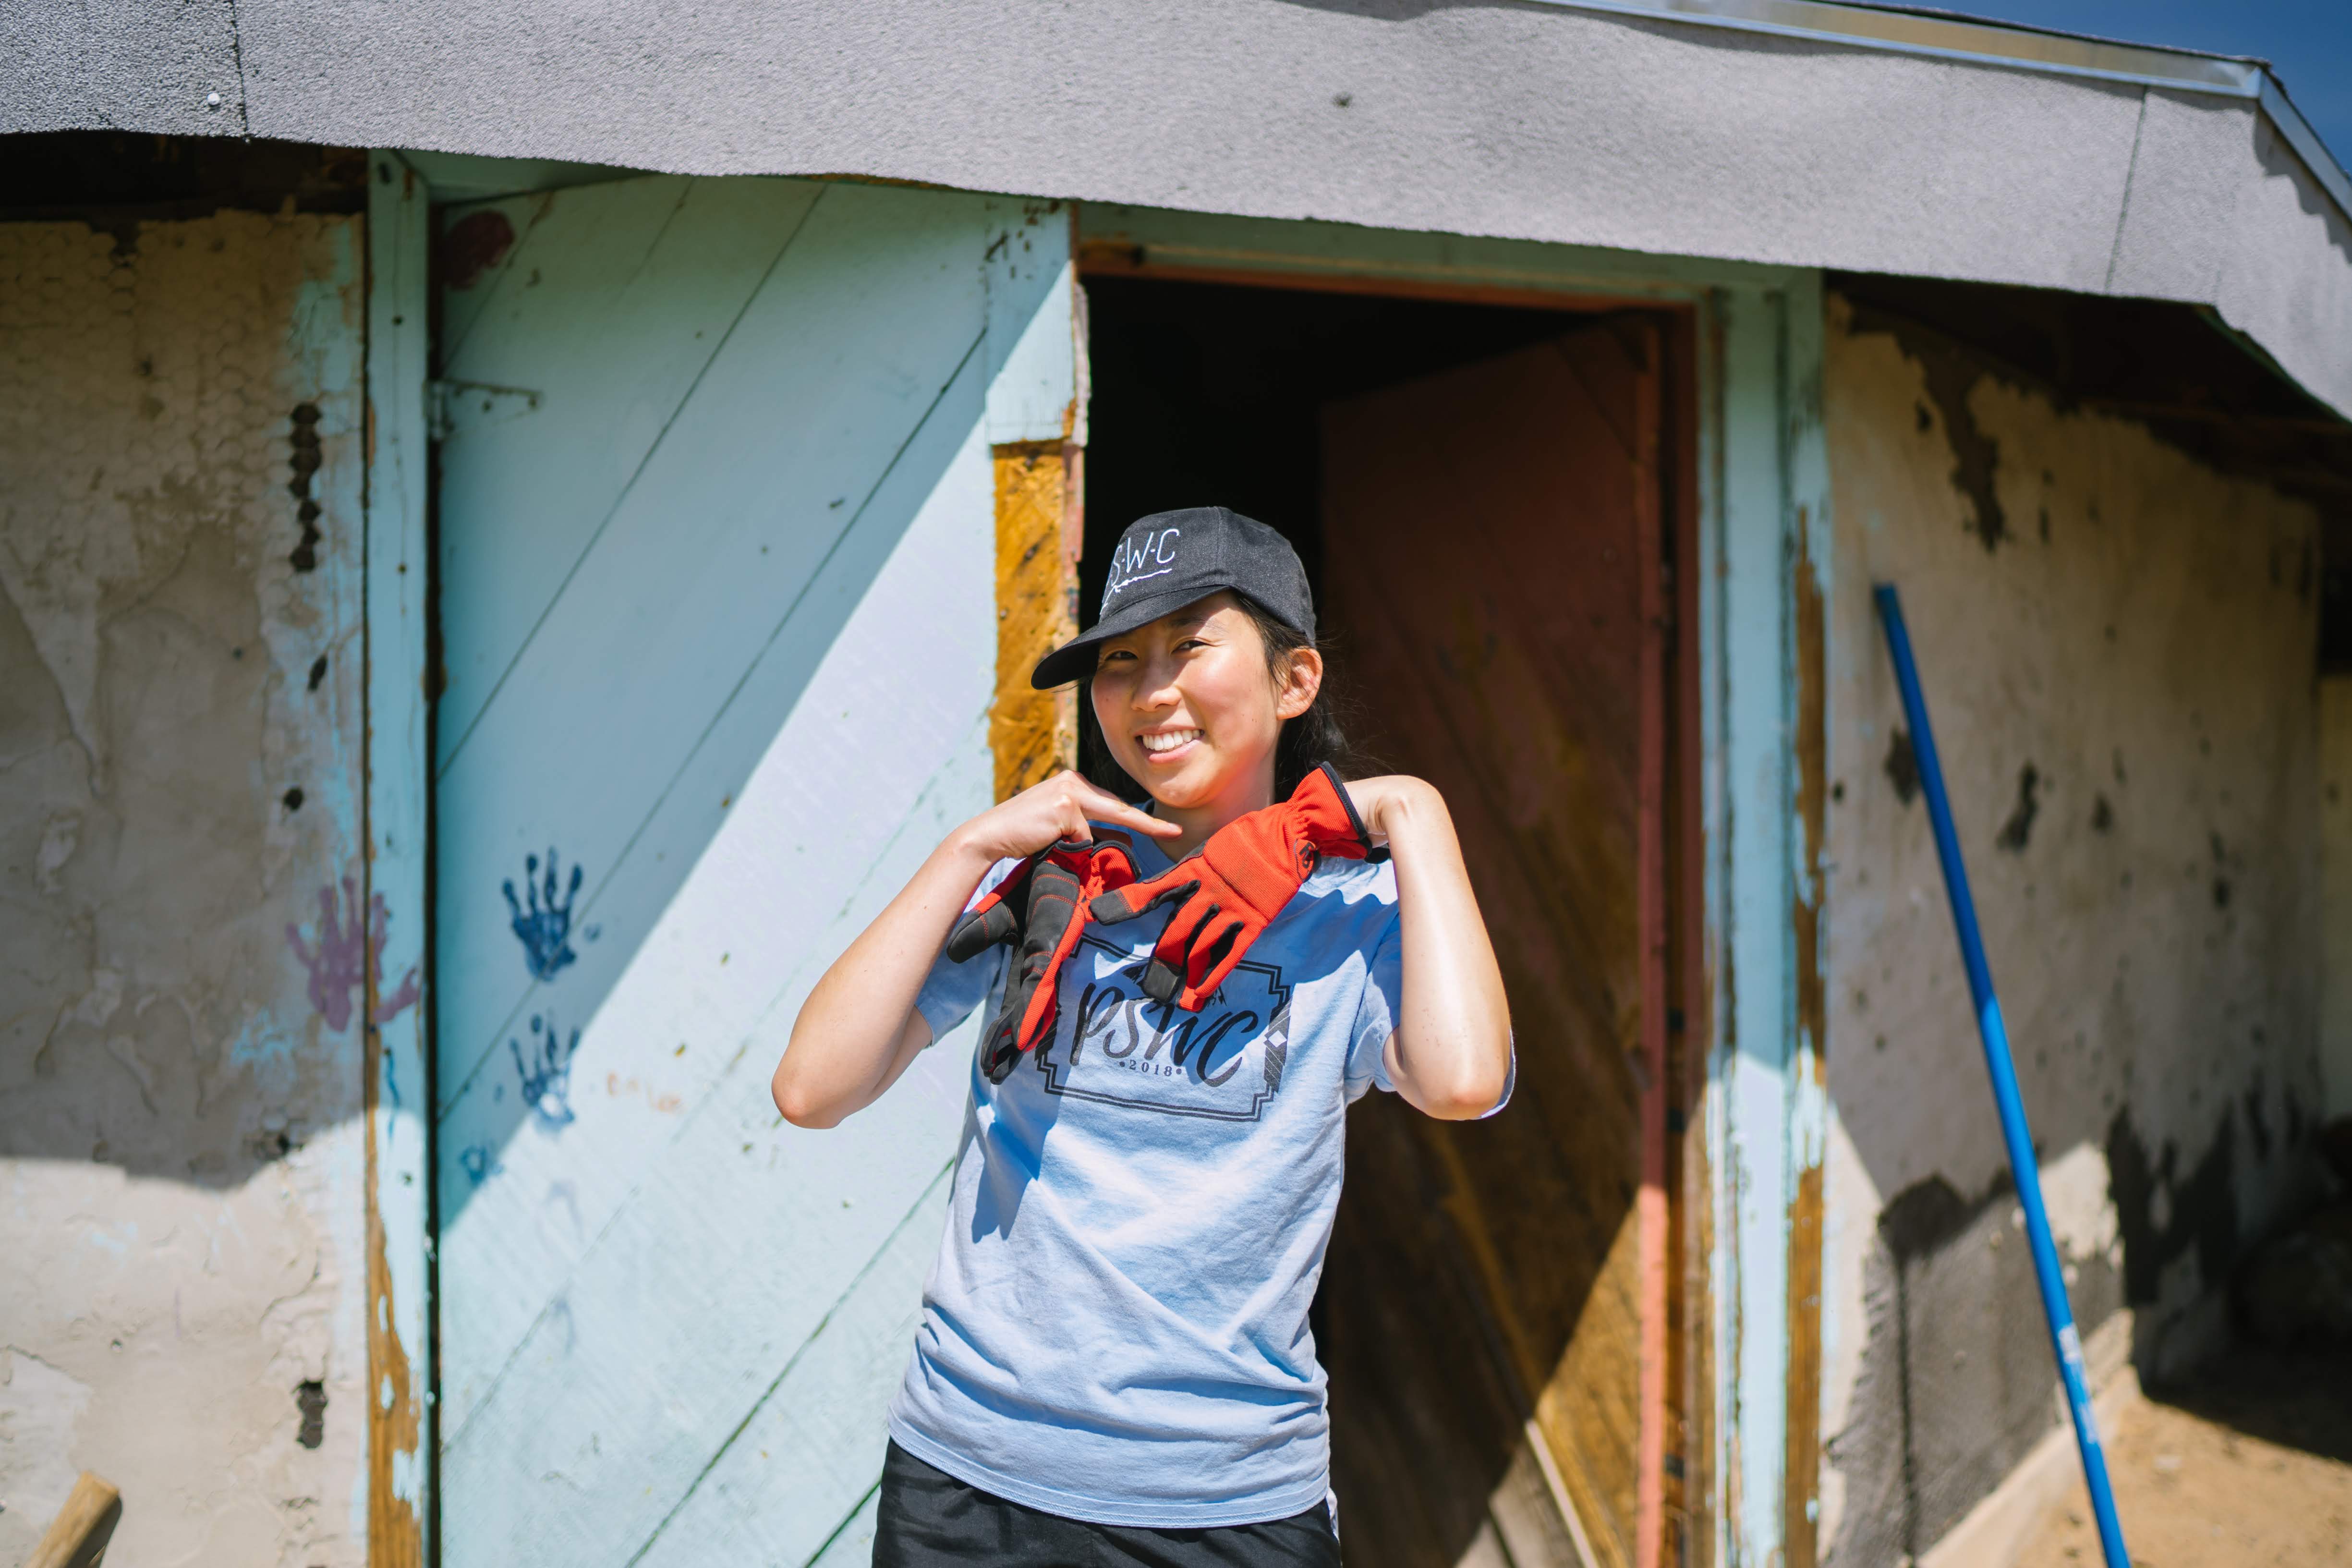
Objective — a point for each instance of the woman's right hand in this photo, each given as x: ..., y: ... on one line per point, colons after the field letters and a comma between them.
x: 858, y: 1028
x: 1045, y: 814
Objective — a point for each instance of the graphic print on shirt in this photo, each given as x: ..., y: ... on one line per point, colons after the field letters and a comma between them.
x: 1116, y: 1046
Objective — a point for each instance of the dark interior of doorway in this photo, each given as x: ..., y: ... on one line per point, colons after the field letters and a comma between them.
x: 1208, y: 394
x: 1215, y: 393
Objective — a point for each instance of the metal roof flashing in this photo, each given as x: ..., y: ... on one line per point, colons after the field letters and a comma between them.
x: 1948, y: 35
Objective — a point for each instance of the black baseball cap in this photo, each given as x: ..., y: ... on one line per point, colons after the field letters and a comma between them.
x: 1170, y: 559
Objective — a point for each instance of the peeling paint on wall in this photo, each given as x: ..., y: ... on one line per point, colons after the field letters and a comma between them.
x: 2120, y: 668
x: 180, y: 1170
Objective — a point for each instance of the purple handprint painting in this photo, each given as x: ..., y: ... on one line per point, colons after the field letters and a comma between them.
x: 347, y: 955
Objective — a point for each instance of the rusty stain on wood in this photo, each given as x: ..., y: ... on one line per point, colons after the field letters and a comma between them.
x: 1812, y: 793
x: 1033, y: 734
x: 1312, y: 275
x: 1801, y: 1476
x: 1652, y: 896
x: 1690, y: 1493
x: 394, y: 1425
x: 1687, y: 1462
x: 1801, y: 1518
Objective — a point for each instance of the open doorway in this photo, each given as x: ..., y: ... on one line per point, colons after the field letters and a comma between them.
x: 1482, y: 495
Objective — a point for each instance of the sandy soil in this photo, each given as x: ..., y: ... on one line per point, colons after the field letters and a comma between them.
x: 2250, y: 1464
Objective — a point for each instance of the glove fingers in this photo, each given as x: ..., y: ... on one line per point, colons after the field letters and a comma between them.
x: 1163, y: 982
x: 1213, y: 958
x: 996, y: 916
x: 1044, y: 1001
x: 997, y: 1050
x: 1126, y: 903
x: 980, y: 930
x: 1037, y: 1022
x: 1176, y: 939
x: 1212, y: 937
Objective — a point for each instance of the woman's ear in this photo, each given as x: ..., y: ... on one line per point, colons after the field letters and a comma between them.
x: 1302, y: 680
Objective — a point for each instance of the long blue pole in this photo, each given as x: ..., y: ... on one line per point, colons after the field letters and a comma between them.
x: 2063, y: 1339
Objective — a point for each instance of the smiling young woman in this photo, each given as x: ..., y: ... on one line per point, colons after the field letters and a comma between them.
x: 1114, y: 1364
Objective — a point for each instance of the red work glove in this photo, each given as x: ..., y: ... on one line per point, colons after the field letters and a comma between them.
x: 1233, y: 890
x: 1040, y: 910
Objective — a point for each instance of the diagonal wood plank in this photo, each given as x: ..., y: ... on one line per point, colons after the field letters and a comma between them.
x: 611, y: 305
x: 663, y: 1339
x: 830, y: 821
x: 808, y: 1454
x: 633, y: 1248
x: 853, y: 1543
x: 851, y: 341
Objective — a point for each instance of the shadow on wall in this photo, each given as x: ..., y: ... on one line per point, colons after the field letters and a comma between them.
x: 783, y: 388
x: 181, y: 945
x: 2118, y: 640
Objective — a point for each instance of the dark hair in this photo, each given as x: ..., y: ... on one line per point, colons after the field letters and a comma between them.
x: 1307, y: 743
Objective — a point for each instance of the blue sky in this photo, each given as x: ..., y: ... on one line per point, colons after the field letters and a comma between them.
x: 2307, y: 42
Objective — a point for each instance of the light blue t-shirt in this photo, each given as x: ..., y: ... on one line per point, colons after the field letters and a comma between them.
x: 1116, y: 1328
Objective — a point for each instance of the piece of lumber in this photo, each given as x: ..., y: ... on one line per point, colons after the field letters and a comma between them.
x: 77, y: 1538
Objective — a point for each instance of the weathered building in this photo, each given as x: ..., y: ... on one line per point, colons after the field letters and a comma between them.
x: 489, y: 612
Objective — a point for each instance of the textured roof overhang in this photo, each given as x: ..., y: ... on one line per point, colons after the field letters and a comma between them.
x: 1948, y: 35
x: 1774, y: 130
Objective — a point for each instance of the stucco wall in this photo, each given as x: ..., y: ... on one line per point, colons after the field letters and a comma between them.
x: 2117, y: 645
x: 181, y: 1200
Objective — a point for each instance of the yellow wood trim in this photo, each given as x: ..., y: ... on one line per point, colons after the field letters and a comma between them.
x: 1033, y: 734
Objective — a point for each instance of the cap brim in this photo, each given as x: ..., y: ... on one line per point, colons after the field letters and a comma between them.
x: 1075, y: 660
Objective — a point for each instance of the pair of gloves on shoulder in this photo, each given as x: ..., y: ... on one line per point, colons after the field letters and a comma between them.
x: 1223, y: 896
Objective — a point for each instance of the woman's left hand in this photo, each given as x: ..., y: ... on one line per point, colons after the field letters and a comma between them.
x: 1376, y: 797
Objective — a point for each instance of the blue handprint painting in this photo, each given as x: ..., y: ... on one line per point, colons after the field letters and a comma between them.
x: 546, y: 1073
x: 544, y: 924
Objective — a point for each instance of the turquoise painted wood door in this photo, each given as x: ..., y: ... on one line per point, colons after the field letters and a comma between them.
x: 718, y: 630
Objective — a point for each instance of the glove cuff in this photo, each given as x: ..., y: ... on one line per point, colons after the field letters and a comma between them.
x: 1325, y: 800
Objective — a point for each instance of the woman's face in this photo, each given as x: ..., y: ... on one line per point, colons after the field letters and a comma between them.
x: 1190, y: 710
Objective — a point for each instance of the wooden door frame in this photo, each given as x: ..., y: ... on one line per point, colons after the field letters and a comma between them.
x: 1667, y: 856
x: 1749, y: 1115
x: 396, y: 804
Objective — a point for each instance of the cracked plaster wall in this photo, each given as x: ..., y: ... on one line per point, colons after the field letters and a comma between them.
x: 2118, y: 648
x: 181, y: 1166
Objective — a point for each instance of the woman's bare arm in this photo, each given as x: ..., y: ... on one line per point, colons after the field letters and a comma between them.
x: 858, y: 1029
x: 1451, y: 1054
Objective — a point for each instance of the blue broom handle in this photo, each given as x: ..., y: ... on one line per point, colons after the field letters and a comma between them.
x: 2063, y: 1339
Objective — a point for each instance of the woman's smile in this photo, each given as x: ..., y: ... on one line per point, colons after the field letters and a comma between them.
x: 1163, y: 745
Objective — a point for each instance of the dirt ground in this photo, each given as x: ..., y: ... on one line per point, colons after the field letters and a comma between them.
x: 2249, y: 1464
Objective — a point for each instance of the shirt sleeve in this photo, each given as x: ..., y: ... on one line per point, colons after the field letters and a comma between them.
x: 951, y: 990
x: 1376, y: 1013
x: 1376, y: 1016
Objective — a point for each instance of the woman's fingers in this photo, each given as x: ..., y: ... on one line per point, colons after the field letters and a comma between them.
x: 1104, y: 807
x: 1127, y: 816
x: 1062, y: 806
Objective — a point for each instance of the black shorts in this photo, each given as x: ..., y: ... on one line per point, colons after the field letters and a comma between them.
x: 928, y: 1516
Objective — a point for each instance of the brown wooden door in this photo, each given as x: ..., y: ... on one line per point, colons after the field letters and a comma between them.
x: 1491, y: 563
